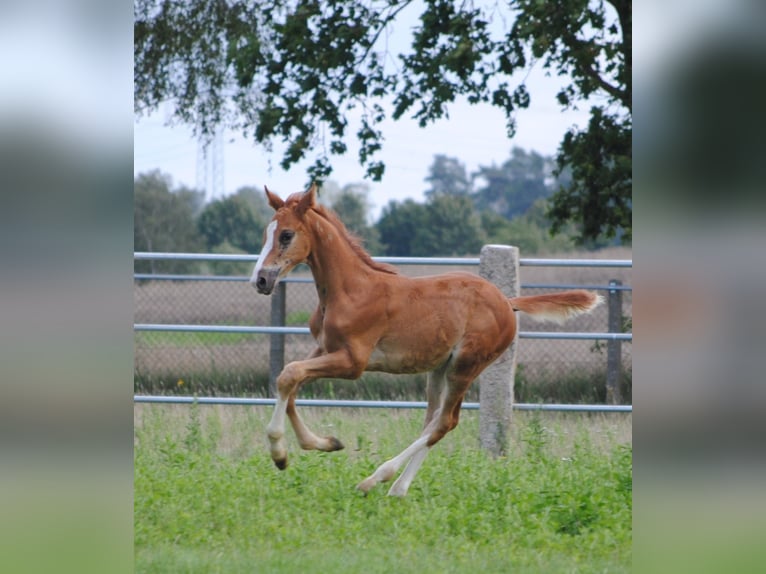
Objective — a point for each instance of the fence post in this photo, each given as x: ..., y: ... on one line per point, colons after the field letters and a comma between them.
x: 614, y: 348
x: 277, y: 347
x: 500, y: 265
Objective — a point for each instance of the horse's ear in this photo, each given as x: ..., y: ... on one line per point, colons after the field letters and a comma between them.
x: 274, y: 200
x: 307, y: 200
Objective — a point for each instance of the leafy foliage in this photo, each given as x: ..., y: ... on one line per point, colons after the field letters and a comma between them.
x: 529, y: 232
x: 452, y: 227
x: 177, y: 220
x: 510, y: 208
x: 399, y: 224
x: 514, y: 186
x: 256, y: 199
x: 231, y: 220
x: 164, y: 221
x: 446, y: 225
x: 599, y: 197
x: 352, y: 205
x: 297, y: 71
x: 591, y: 42
x: 455, y: 219
x: 447, y: 176
x: 228, y: 267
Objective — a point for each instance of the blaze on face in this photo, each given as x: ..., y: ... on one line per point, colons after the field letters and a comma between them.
x: 286, y: 243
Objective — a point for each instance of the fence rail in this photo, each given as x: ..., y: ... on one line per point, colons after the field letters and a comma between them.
x: 530, y: 262
x: 244, y: 401
x: 306, y: 331
x: 243, y: 279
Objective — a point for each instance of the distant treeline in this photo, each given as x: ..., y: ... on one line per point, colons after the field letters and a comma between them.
x: 504, y: 204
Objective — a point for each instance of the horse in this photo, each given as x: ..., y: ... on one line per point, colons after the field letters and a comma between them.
x: 371, y: 318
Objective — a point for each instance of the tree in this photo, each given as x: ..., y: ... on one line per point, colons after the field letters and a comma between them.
x: 529, y: 232
x: 352, y: 205
x: 447, y: 176
x: 163, y: 220
x: 452, y: 227
x: 398, y: 226
x: 599, y: 196
x: 446, y: 225
x: 512, y: 188
x: 592, y: 43
x: 231, y: 221
x: 256, y: 200
x: 295, y: 72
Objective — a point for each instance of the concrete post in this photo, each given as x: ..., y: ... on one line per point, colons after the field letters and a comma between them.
x: 500, y: 265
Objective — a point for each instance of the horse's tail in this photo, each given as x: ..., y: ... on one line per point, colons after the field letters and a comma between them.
x: 557, y: 307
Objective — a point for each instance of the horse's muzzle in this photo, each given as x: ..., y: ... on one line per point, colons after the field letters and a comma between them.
x: 265, y: 280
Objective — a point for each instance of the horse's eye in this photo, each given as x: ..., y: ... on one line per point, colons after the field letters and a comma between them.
x: 286, y: 236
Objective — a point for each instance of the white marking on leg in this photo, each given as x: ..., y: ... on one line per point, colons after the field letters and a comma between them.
x: 276, y: 431
x: 388, y: 469
x: 277, y: 424
x: 402, y: 484
x: 271, y: 232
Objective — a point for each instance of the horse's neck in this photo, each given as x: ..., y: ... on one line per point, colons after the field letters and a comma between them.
x: 336, y: 268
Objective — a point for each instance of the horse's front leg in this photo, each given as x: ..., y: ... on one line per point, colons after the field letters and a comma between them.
x: 338, y: 364
x: 307, y: 439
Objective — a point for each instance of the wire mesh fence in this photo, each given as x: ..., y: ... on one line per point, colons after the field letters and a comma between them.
x: 237, y: 364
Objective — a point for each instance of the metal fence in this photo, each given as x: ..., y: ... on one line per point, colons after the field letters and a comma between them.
x: 244, y: 401
x: 207, y: 331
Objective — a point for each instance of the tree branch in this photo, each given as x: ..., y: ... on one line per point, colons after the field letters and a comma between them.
x: 388, y: 19
x: 610, y: 89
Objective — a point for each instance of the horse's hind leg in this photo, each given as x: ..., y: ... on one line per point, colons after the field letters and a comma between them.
x: 402, y: 484
x: 435, y: 387
x: 387, y: 470
x: 442, y: 420
x: 434, y: 390
x: 415, y: 454
x: 459, y: 377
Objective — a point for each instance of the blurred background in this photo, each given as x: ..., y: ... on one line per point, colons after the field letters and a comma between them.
x: 698, y: 194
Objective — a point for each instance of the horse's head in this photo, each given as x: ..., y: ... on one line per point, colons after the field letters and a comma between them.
x: 286, y: 240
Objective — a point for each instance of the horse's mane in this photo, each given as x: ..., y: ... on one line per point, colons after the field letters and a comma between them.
x: 352, y: 239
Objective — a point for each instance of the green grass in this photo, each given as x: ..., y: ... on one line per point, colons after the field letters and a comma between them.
x: 578, y: 385
x: 201, y: 339
x: 208, y: 499
x: 298, y: 318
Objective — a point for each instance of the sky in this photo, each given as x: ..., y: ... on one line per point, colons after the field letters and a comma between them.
x: 474, y: 134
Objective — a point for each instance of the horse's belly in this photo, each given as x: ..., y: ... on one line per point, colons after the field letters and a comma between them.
x: 406, y: 361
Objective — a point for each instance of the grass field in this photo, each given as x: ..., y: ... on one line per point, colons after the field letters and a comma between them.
x: 208, y: 499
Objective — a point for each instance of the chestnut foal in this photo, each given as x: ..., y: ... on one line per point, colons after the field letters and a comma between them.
x: 370, y: 318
